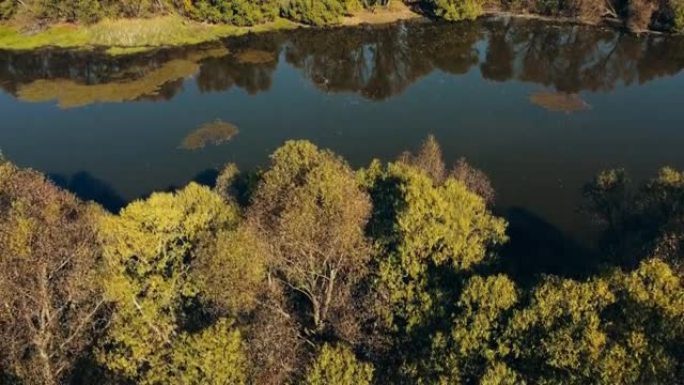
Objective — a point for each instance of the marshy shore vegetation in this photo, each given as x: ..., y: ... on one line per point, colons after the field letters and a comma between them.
x: 134, y: 25
x: 311, y: 272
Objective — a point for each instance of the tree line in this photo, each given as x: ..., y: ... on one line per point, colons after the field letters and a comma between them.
x: 634, y: 14
x: 310, y: 272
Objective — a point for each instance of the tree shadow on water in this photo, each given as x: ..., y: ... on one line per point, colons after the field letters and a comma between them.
x: 537, y: 247
x: 89, y: 188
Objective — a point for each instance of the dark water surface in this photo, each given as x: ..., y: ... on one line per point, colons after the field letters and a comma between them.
x: 541, y: 108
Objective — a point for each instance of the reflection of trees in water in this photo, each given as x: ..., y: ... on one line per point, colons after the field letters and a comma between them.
x: 383, y: 61
x: 250, y: 67
x: 640, y: 220
x: 375, y: 62
x: 574, y: 58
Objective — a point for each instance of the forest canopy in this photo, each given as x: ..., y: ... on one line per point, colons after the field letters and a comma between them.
x: 311, y: 272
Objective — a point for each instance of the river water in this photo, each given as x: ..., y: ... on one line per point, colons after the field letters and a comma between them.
x: 540, y: 107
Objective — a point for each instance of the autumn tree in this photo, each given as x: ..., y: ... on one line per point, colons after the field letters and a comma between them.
x: 312, y: 212
x: 50, y: 296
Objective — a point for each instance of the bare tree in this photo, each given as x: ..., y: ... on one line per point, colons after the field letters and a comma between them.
x: 428, y: 159
x: 312, y: 212
x: 49, y: 294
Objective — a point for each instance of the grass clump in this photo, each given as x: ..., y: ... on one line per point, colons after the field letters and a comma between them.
x: 559, y: 102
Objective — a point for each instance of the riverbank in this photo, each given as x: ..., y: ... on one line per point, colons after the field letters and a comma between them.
x: 125, y: 36
x: 128, y: 36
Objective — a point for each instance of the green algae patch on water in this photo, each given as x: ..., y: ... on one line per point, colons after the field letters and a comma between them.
x: 214, y: 133
x: 559, y: 102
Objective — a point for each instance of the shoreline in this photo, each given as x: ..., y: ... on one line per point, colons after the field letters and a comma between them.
x: 117, y: 37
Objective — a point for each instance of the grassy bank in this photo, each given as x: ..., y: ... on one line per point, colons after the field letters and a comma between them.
x: 123, y: 36
x: 129, y: 35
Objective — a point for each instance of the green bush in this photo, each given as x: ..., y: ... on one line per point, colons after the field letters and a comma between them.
x: 678, y: 9
x: 135, y: 8
x: 7, y: 8
x: 339, y: 366
x: 85, y: 11
x: 454, y: 10
x: 315, y: 12
x: 236, y: 12
x: 547, y: 7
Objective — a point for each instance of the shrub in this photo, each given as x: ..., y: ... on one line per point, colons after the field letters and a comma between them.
x: 135, y: 8
x: 237, y: 12
x: 7, y: 9
x: 315, y: 12
x: 640, y: 13
x: 454, y: 10
x: 85, y: 11
x: 678, y: 10
x: 548, y: 7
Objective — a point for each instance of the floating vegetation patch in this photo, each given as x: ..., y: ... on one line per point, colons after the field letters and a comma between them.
x: 256, y: 56
x: 71, y: 94
x: 559, y: 102
x: 215, y: 133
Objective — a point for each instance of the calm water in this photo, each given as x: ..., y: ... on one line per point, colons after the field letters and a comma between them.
x: 540, y: 107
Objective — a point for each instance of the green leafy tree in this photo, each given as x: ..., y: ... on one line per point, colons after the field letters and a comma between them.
x: 149, y: 249
x: 473, y: 348
x: 426, y: 232
x: 455, y: 10
x: 500, y: 374
x: 337, y: 365
x: 237, y: 12
x: 213, y: 356
x: 622, y: 329
x: 315, y: 12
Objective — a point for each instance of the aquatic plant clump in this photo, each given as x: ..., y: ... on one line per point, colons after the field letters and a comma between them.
x: 559, y: 102
x: 215, y: 133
